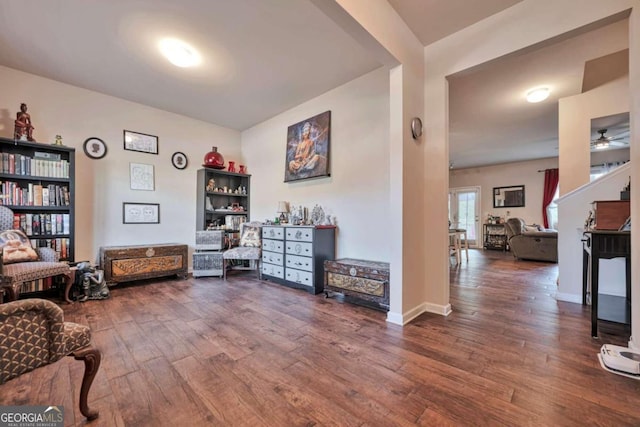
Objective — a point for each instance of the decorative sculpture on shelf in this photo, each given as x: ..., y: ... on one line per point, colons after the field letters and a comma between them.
x: 23, y: 130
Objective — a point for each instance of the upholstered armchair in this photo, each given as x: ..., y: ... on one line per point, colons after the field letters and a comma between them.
x: 12, y: 276
x: 33, y: 333
x: 249, y: 249
x: 531, y: 242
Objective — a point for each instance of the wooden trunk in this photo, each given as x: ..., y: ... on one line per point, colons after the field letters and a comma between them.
x: 610, y: 214
x: 128, y: 263
x: 365, y: 282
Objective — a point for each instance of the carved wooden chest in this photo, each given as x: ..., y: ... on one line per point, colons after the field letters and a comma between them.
x: 365, y: 282
x: 128, y: 263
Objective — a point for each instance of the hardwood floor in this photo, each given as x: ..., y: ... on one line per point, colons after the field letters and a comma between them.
x: 243, y: 352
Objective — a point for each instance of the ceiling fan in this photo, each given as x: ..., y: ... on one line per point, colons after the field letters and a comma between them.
x: 603, y: 142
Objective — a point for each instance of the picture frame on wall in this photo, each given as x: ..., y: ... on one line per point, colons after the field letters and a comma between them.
x: 179, y: 160
x: 142, y: 142
x: 508, y: 197
x: 94, y: 148
x: 307, y: 150
x: 141, y: 177
x: 140, y: 213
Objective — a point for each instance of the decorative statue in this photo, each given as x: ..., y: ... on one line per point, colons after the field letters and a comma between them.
x: 92, y: 282
x: 23, y: 128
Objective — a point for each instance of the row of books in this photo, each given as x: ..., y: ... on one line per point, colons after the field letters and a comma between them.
x: 42, y: 164
x: 35, y: 224
x: 37, y: 285
x: 60, y: 245
x: 34, y: 194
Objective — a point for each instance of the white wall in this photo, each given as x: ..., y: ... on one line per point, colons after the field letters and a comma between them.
x: 507, y: 175
x: 378, y: 27
x: 102, y: 185
x: 575, y: 114
x: 357, y: 192
x: 573, y: 209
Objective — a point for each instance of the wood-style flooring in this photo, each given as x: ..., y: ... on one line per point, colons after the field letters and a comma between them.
x: 248, y: 353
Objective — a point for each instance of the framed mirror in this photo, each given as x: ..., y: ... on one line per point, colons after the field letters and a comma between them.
x: 508, y: 197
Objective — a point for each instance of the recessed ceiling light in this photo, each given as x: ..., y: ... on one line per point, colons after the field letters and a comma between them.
x: 179, y: 53
x: 538, y: 94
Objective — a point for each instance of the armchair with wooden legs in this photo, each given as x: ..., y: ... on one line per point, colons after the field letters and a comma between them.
x: 33, y: 333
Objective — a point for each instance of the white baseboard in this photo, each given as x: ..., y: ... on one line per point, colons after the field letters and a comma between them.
x: 576, y: 298
x: 403, y: 319
x: 633, y: 345
x: 395, y: 318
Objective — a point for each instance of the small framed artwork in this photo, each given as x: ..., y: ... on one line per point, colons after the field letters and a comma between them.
x: 94, y: 148
x: 136, y: 141
x: 140, y: 213
x: 307, y: 151
x: 179, y: 160
x: 141, y: 176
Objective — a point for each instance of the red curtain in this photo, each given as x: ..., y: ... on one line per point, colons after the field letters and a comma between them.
x: 551, y: 179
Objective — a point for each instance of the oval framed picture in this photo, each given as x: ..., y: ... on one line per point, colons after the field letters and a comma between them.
x: 94, y: 148
x: 179, y: 160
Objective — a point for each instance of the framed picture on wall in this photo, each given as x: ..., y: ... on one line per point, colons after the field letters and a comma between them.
x: 140, y: 213
x: 307, y: 152
x: 136, y: 141
x: 141, y: 176
x: 508, y: 197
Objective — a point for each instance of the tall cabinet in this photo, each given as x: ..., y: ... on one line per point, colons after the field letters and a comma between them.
x: 222, y: 199
x: 38, y: 185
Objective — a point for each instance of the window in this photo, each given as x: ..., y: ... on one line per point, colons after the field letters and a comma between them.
x: 552, y: 211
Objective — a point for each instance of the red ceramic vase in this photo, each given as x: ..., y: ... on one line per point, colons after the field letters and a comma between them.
x: 242, y: 169
x: 232, y: 166
x: 213, y: 159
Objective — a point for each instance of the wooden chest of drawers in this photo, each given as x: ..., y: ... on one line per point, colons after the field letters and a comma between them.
x: 293, y: 255
x: 365, y: 282
x: 128, y: 263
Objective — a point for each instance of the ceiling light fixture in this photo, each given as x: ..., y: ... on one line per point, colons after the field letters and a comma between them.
x: 179, y: 53
x: 601, y: 145
x: 538, y: 94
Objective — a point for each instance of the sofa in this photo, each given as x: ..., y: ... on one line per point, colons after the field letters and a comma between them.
x: 531, y: 242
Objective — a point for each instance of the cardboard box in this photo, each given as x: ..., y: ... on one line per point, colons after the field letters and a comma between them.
x: 610, y: 214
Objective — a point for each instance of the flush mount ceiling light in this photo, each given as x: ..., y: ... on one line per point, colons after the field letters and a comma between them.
x: 179, y: 53
x: 538, y: 94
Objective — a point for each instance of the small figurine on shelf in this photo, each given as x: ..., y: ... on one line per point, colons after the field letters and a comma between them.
x: 58, y: 140
x: 23, y: 130
x: 232, y: 166
x: 211, y: 185
x: 243, y: 169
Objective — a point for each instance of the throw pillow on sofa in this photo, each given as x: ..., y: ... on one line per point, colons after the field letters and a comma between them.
x: 16, y: 247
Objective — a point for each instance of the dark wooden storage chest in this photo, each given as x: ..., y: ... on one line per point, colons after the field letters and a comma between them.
x: 610, y: 214
x: 365, y: 282
x: 128, y: 263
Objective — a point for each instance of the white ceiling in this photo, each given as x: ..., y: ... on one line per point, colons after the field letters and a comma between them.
x: 431, y: 20
x: 490, y: 120
x: 262, y: 57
